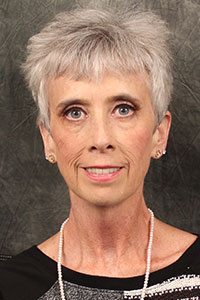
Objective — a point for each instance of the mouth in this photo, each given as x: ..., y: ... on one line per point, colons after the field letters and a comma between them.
x: 102, y: 170
x: 102, y: 173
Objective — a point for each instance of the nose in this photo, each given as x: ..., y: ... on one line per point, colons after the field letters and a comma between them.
x: 101, y: 137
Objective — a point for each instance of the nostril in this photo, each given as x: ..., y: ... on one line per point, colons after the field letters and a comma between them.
x: 93, y: 148
x: 101, y: 148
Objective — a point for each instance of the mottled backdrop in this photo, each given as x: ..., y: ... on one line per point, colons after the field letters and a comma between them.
x: 34, y: 199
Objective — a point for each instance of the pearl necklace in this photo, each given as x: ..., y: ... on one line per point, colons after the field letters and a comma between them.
x: 148, y: 265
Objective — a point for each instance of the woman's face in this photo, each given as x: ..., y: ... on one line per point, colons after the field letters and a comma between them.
x: 102, y: 135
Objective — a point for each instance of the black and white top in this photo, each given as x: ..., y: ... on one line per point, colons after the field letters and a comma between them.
x: 32, y: 275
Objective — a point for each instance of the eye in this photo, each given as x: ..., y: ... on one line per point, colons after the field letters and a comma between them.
x: 74, y: 113
x: 124, y: 110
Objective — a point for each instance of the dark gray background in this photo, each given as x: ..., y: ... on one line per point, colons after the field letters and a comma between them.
x: 34, y: 199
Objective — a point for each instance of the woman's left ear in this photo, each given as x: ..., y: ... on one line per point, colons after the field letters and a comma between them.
x: 160, y: 136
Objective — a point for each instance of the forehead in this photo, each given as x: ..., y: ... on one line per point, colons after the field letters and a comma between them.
x: 62, y: 87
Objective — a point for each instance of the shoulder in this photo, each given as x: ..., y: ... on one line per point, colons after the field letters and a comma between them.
x: 174, y: 238
x: 192, y: 256
x: 26, y: 273
x: 170, y: 244
x: 50, y: 247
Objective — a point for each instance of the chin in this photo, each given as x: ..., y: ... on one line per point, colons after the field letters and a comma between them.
x: 99, y: 198
x: 104, y: 202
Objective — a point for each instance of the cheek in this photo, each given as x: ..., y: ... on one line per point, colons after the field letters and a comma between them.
x: 68, y: 148
x: 141, y: 145
x: 140, y: 141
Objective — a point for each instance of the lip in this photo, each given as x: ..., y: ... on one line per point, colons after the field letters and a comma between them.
x: 102, y: 173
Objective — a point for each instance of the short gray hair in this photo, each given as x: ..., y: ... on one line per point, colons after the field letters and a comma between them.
x: 85, y: 43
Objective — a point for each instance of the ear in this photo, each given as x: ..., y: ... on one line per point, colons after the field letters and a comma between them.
x: 160, y: 136
x: 49, y: 144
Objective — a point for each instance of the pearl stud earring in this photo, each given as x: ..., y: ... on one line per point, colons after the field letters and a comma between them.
x: 51, y: 158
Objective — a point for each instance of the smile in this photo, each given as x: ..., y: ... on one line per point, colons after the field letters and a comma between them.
x: 102, y: 174
x: 102, y: 170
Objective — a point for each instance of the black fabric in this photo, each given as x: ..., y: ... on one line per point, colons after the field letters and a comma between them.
x: 32, y: 275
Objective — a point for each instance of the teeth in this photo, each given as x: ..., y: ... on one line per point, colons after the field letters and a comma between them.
x: 102, y: 171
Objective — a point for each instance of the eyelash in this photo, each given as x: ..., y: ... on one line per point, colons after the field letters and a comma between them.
x: 127, y: 106
x: 131, y: 109
x: 71, y: 109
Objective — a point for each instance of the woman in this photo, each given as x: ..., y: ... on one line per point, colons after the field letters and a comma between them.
x: 102, y: 82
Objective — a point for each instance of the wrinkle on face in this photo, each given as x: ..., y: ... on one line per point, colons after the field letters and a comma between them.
x: 72, y: 159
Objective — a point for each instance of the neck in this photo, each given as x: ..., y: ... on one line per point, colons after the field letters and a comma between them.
x: 107, y: 235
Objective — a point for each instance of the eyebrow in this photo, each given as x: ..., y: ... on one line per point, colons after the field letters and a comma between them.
x: 117, y: 98
x: 70, y: 102
x: 124, y: 97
